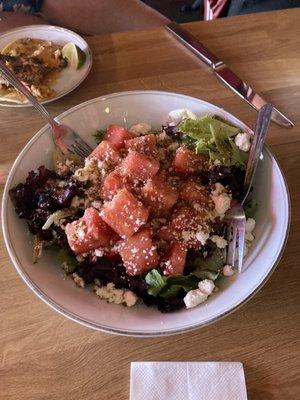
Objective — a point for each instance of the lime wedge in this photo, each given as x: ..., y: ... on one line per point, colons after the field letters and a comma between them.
x: 75, y: 56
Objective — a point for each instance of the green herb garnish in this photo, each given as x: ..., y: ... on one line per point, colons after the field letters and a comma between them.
x: 99, y: 135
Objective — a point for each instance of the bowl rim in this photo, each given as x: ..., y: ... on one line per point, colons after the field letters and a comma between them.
x: 51, y: 28
x: 84, y: 321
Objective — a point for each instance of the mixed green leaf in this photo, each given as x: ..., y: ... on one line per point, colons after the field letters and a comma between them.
x: 215, y: 139
x: 99, y: 135
x: 250, y: 208
x: 170, y: 286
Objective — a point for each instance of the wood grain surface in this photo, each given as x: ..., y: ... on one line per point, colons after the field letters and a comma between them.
x: 45, y: 356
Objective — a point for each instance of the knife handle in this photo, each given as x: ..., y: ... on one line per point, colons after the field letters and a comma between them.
x: 192, y: 43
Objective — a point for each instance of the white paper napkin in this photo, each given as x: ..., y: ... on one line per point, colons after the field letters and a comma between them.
x: 187, y: 381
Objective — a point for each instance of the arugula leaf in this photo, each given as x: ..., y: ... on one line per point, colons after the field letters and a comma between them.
x: 99, y: 135
x: 250, y: 208
x: 155, y: 282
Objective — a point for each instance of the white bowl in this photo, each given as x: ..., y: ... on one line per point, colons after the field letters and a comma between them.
x: 46, y: 278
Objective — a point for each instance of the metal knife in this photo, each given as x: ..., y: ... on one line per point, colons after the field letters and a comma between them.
x: 224, y: 73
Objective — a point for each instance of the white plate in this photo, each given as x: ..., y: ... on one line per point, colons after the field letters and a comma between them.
x: 69, y: 78
x: 46, y: 279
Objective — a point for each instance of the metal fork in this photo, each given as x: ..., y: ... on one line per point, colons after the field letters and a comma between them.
x: 63, y: 136
x: 236, y: 218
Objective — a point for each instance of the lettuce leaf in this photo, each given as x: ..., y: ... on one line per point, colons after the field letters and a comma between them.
x: 215, y: 139
x: 170, y: 286
x: 212, y: 263
x: 200, y: 128
x: 155, y: 282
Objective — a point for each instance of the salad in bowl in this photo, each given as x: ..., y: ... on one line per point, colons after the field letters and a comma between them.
x: 141, y: 219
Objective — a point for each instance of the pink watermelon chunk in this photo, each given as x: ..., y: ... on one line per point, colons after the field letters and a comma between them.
x: 158, y: 194
x: 125, y: 214
x: 105, y: 152
x: 138, y: 166
x: 187, y: 161
x: 192, y: 191
x: 111, y: 185
x: 142, y: 144
x: 89, y: 232
x: 138, y: 253
x: 116, y: 136
x: 175, y: 259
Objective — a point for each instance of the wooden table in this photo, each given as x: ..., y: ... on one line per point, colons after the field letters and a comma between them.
x: 44, y: 355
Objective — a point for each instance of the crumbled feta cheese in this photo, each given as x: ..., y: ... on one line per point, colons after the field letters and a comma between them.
x: 228, y: 270
x: 140, y: 129
x: 197, y: 296
x: 219, y: 240
x: 78, y: 280
x: 88, y: 172
x: 177, y: 115
x: 80, y: 233
x: 219, y: 188
x: 222, y: 203
x: 250, y: 225
x: 202, y: 237
x: 117, y: 296
x: 130, y: 298
x: 243, y: 142
x: 99, y: 252
x: 249, y: 237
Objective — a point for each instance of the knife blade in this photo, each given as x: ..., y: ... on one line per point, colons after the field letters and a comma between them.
x: 225, y: 74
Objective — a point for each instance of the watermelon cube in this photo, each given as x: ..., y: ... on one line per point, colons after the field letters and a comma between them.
x: 142, y: 144
x: 89, y: 232
x: 175, y: 259
x: 125, y: 214
x: 187, y: 161
x: 137, y: 166
x: 185, y: 227
x: 192, y: 191
x: 116, y: 136
x: 111, y: 185
x: 105, y: 152
x: 158, y: 194
x: 138, y: 253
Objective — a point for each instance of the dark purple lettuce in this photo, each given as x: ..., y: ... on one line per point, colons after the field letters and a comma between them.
x: 24, y: 194
x: 231, y: 176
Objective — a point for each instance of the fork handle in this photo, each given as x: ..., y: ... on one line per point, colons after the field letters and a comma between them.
x: 261, y: 128
x: 15, y: 81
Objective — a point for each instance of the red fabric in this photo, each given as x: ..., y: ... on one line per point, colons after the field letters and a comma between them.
x: 214, y: 8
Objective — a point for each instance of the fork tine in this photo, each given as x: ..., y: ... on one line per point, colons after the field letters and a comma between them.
x: 76, y: 149
x: 241, y: 244
x: 83, y: 145
x: 230, y: 259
